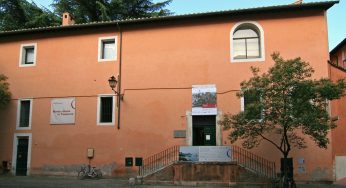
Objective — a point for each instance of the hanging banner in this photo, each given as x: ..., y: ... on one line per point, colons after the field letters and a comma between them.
x: 205, y: 153
x: 204, y: 100
x: 63, y: 111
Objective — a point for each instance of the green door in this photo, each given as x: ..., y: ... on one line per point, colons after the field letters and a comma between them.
x: 204, y: 130
x: 22, y: 156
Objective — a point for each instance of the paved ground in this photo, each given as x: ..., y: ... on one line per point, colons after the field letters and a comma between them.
x: 72, y: 182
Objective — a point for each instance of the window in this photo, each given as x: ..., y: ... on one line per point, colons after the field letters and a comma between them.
x: 251, y: 104
x: 24, y: 113
x: 247, y: 42
x: 105, y: 110
x: 107, y: 49
x: 27, y: 55
x: 335, y: 60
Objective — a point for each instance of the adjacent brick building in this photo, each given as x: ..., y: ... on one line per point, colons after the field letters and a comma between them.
x: 337, y: 68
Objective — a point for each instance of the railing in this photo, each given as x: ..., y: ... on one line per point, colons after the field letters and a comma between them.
x: 159, y: 161
x: 244, y: 158
x: 255, y: 163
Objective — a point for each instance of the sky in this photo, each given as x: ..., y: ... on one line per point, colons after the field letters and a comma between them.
x: 336, y: 15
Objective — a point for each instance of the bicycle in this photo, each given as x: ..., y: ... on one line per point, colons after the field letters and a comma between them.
x: 285, y: 182
x: 89, y: 172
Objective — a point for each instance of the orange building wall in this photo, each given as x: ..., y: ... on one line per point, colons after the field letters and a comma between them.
x: 338, y: 109
x: 176, y: 55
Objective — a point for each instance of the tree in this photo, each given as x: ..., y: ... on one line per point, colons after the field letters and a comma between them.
x: 105, y: 10
x: 20, y: 14
x: 289, y: 105
x: 5, y: 95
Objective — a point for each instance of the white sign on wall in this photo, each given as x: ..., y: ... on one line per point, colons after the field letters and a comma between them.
x: 204, y: 100
x: 205, y: 153
x: 214, y: 154
x: 63, y: 111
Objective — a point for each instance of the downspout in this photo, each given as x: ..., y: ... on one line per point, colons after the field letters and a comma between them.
x: 119, y: 98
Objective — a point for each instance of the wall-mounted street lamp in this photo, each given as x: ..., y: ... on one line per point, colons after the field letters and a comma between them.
x: 113, y: 84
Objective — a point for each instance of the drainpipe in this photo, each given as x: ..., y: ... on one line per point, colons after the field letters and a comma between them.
x: 119, y: 98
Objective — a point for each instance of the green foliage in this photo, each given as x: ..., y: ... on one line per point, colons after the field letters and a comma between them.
x: 5, y: 95
x: 292, y: 105
x: 105, y: 10
x: 19, y: 14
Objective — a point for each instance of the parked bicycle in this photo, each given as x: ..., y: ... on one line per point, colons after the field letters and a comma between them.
x: 285, y: 182
x: 89, y: 172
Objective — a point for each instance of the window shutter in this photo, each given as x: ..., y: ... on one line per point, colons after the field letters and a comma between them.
x: 30, y: 55
x: 108, y: 50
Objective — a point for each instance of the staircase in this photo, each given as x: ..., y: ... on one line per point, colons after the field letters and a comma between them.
x: 253, y: 163
x: 245, y: 159
x: 159, y: 161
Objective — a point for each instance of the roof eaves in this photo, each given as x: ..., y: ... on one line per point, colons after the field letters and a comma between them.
x: 340, y: 45
x: 323, y: 5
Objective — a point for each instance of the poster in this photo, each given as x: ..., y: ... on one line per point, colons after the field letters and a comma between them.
x: 63, y: 111
x: 204, y: 100
x: 205, y: 153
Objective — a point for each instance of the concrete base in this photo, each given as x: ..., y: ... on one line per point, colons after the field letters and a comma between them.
x: 205, y: 173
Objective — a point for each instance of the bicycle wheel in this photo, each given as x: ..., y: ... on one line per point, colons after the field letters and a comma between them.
x: 99, y: 173
x: 93, y: 174
x: 81, y: 175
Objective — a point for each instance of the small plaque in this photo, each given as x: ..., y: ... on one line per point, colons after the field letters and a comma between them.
x: 179, y: 134
x: 207, y: 137
x: 90, y: 153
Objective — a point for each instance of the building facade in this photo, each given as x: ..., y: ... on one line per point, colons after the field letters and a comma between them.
x: 62, y: 104
x: 337, y: 68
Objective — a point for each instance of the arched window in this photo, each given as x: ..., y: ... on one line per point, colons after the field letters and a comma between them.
x: 247, y: 42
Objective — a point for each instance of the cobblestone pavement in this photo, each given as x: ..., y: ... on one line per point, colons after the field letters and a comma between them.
x: 73, y: 182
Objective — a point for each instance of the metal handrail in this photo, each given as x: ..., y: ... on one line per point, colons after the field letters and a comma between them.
x: 244, y: 158
x: 259, y: 165
x: 159, y: 161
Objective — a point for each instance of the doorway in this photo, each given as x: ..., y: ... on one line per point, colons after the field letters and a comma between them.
x: 204, y: 130
x: 21, y: 154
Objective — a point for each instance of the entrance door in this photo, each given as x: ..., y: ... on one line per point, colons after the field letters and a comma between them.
x: 22, y: 156
x: 204, y: 130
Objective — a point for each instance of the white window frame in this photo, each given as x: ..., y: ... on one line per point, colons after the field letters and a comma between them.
x: 100, y: 50
x: 242, y: 103
x: 18, y: 114
x: 14, y: 154
x: 22, y: 54
x: 261, y: 35
x: 99, y: 110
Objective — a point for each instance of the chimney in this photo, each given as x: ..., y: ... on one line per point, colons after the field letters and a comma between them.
x: 67, y: 19
x: 298, y: 2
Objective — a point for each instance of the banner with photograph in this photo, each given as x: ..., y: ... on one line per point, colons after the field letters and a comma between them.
x: 205, y: 153
x: 204, y: 100
x: 63, y: 111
